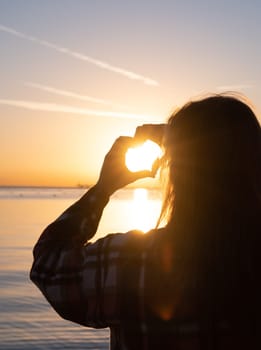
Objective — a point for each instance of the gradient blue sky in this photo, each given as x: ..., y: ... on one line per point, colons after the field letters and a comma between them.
x: 76, y: 74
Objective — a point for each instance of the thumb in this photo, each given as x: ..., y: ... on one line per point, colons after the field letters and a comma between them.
x: 142, y: 174
x: 156, y: 165
x: 148, y: 173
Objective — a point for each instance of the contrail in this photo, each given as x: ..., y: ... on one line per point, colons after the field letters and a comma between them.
x: 80, y: 56
x: 235, y: 87
x: 73, y: 94
x: 58, y: 108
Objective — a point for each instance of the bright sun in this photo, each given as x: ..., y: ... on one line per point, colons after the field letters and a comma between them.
x: 142, y: 157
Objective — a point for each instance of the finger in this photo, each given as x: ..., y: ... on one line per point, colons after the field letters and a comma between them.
x: 142, y: 174
x: 142, y: 132
x: 156, y: 165
x: 153, y: 132
x: 122, y: 143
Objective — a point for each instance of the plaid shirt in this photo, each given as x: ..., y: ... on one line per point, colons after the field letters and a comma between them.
x: 122, y: 281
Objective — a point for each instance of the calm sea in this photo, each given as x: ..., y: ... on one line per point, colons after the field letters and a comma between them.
x: 26, y: 319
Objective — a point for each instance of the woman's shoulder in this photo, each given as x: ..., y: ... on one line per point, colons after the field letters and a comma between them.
x: 127, y: 246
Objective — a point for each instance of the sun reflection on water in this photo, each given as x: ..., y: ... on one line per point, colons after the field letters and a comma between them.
x: 143, y: 210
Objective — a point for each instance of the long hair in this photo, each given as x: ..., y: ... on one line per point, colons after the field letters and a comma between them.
x: 212, y: 204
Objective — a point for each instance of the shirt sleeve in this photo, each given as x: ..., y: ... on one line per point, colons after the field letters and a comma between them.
x: 79, y: 279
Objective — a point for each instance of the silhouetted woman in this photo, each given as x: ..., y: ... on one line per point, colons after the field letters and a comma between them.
x: 192, y: 284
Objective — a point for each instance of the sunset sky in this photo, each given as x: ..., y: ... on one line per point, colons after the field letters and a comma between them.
x: 77, y: 74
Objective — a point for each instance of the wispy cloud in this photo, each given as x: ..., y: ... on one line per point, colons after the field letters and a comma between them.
x: 234, y: 87
x: 67, y: 93
x: 59, y: 108
x: 101, y: 64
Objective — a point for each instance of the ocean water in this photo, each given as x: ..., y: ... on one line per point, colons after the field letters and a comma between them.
x: 26, y: 320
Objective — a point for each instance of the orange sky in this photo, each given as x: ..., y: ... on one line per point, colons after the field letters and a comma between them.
x: 74, y: 78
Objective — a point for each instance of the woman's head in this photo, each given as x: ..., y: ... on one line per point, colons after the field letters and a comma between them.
x: 212, y: 150
x: 212, y: 155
